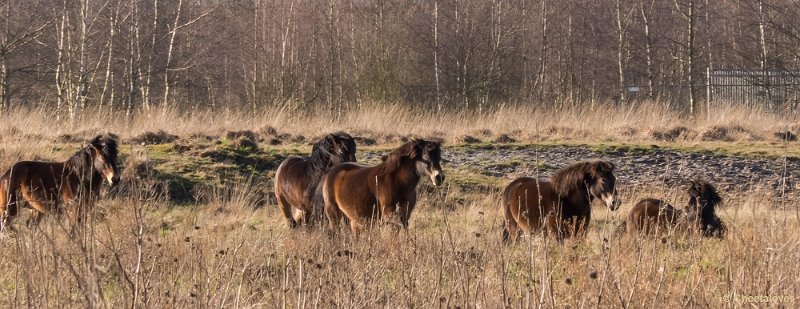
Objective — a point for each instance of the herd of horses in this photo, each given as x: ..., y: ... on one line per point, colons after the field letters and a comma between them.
x: 331, y: 182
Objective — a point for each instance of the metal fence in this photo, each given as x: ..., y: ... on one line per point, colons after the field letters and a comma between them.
x: 778, y: 89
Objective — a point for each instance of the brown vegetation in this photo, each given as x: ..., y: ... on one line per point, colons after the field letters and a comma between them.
x: 153, y: 242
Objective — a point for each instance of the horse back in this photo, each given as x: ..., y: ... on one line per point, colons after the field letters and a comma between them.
x: 352, y: 172
x: 37, y: 177
x: 529, y: 198
x: 351, y: 187
x: 651, y: 210
x: 292, y: 166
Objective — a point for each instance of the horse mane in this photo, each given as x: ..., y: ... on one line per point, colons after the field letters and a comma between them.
x: 707, y: 199
x: 572, y: 177
x: 78, y: 162
x: 82, y: 159
x: 108, y: 145
x: 392, y: 161
x: 323, y: 151
x: 411, y: 149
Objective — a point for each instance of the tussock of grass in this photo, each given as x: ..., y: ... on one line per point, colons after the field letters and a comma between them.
x: 228, y: 251
x: 153, y: 138
x: 390, y: 123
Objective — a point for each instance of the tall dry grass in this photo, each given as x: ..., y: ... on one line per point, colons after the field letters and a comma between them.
x: 143, y: 251
x: 525, y: 122
x: 227, y: 253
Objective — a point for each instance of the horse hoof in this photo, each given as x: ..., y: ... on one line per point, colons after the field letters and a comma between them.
x: 8, y: 231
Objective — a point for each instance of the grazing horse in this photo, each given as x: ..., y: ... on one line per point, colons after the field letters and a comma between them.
x: 55, y: 187
x: 561, y: 206
x: 649, y: 216
x: 384, y: 192
x: 297, y: 179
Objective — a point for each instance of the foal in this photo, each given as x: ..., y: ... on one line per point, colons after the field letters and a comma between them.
x: 650, y: 215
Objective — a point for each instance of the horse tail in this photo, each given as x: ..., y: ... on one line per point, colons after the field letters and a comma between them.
x: 3, y: 195
x: 331, y: 208
x: 509, y: 225
x: 8, y: 207
x: 505, y: 197
x: 283, y: 205
x: 278, y: 177
x: 317, y: 202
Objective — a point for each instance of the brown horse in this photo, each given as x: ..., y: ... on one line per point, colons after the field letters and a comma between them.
x: 53, y: 187
x: 561, y: 206
x: 297, y: 179
x: 384, y: 192
x: 649, y: 216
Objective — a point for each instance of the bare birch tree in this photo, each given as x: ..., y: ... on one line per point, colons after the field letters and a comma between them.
x: 646, y: 11
x: 687, y: 9
x: 18, y: 31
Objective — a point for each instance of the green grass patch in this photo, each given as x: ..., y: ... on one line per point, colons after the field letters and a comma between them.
x: 472, y: 182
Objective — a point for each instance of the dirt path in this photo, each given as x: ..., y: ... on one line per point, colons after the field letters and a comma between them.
x: 656, y: 166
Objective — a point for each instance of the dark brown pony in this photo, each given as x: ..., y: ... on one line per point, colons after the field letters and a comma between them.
x: 55, y: 187
x: 562, y: 206
x: 384, y: 192
x: 651, y: 216
x: 297, y: 179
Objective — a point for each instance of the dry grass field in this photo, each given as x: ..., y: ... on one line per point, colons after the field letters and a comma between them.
x: 193, y: 224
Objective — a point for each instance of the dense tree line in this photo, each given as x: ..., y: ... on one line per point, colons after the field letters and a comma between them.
x: 123, y: 55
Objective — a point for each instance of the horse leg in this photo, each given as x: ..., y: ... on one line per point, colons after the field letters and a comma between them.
x: 510, y: 232
x: 307, y: 218
x: 39, y: 209
x: 315, y: 213
x: 6, y: 216
x: 582, y: 226
x: 286, y: 208
x: 298, y: 215
x: 74, y: 216
x: 9, y: 201
x: 630, y: 225
x: 356, y: 226
x: 334, y: 214
x: 303, y: 217
x: 8, y: 210
x: 556, y: 227
x: 510, y: 227
x: 35, y: 219
x: 391, y: 217
x: 570, y: 227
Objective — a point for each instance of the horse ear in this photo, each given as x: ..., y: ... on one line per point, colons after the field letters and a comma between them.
x: 93, y: 147
x: 417, y: 148
x: 601, y: 167
x: 331, y: 139
x: 97, y: 140
x: 694, y: 187
x: 606, y: 167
